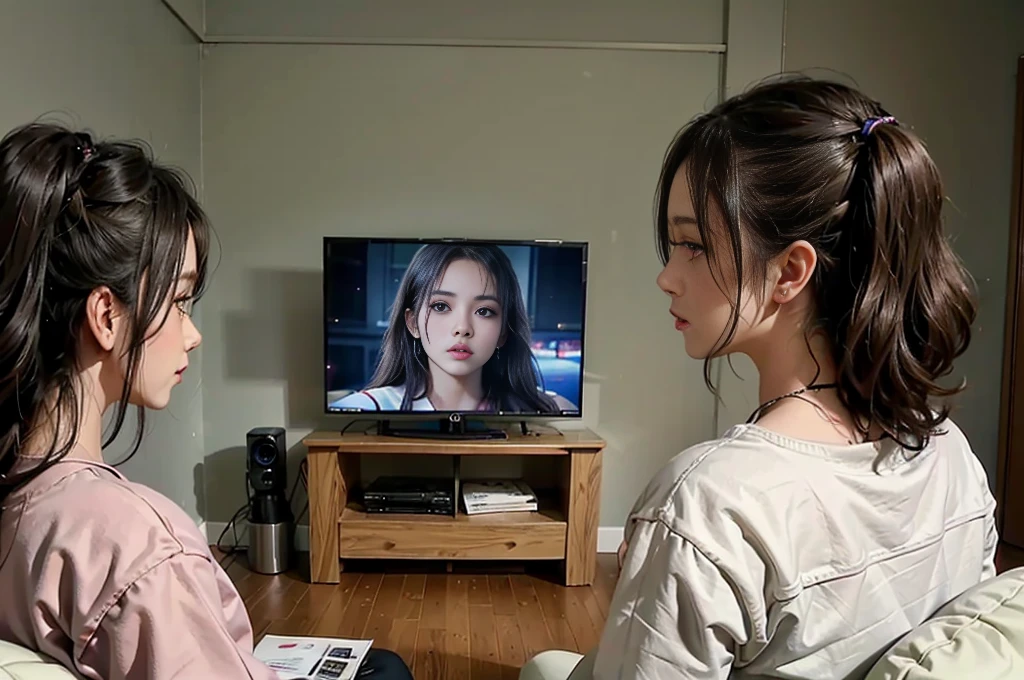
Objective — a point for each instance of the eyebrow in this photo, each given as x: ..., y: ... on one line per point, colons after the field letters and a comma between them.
x: 446, y: 293
x: 682, y: 220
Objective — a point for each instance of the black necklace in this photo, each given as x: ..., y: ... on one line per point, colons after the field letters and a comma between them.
x: 795, y: 393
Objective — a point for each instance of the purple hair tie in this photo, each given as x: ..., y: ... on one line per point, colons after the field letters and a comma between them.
x: 870, y: 123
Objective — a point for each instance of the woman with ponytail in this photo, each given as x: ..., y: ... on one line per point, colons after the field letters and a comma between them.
x: 102, y: 253
x: 800, y: 224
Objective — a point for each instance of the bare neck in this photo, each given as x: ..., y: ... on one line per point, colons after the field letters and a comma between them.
x: 792, y: 359
x: 455, y: 393
x: 87, y: 438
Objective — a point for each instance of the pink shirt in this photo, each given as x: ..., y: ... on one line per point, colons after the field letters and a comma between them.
x: 115, y: 581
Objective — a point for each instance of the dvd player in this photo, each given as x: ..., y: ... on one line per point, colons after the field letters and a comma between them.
x: 410, y: 495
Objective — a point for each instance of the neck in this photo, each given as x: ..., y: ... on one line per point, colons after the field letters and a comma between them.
x: 792, y: 362
x: 455, y: 393
x: 88, y: 438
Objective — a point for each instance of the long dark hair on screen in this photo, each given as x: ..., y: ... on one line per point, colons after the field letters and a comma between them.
x: 510, y: 378
x: 77, y: 215
x: 800, y: 159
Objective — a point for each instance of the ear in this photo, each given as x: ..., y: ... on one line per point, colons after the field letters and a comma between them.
x: 796, y: 267
x: 410, y: 324
x: 103, y: 317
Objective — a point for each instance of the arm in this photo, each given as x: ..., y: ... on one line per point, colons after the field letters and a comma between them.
x: 988, y: 564
x: 171, y: 622
x: 674, y: 615
x: 360, y: 400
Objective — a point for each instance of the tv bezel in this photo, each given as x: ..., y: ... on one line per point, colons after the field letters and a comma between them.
x: 447, y: 414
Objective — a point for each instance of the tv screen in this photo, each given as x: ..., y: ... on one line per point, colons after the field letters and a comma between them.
x: 454, y: 326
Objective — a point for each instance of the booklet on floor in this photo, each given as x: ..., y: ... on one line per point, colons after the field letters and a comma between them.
x: 312, y: 658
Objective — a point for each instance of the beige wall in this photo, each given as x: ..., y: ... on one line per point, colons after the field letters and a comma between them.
x: 948, y: 69
x: 190, y: 12
x: 123, y: 69
x: 674, y: 21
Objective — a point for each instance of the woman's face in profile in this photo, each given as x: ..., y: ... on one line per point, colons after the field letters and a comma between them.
x: 461, y: 321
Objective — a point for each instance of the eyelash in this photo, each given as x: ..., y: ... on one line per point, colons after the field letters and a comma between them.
x: 184, y: 306
x: 695, y: 249
x: 434, y: 306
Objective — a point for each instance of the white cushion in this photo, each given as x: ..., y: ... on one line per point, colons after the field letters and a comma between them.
x: 18, y: 663
x: 977, y: 636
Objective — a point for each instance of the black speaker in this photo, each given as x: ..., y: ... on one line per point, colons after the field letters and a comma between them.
x: 266, y: 462
x: 266, y: 468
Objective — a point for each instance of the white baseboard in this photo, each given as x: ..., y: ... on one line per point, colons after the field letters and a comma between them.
x: 608, y: 538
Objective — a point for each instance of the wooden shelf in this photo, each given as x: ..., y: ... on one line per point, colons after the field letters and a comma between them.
x: 544, y: 516
x: 516, y: 445
x: 565, y: 527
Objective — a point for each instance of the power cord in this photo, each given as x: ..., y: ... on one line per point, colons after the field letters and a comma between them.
x: 234, y: 549
x: 353, y: 422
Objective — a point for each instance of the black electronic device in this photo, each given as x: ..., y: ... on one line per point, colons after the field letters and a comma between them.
x: 410, y: 495
x: 266, y: 467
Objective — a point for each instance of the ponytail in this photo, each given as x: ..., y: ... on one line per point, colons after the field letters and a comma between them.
x: 906, y: 300
x: 39, y: 174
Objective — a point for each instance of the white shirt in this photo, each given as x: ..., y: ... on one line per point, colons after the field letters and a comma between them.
x: 381, y: 399
x: 761, y: 556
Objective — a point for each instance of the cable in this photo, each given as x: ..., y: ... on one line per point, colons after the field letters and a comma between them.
x: 302, y: 477
x: 353, y: 422
x: 233, y: 524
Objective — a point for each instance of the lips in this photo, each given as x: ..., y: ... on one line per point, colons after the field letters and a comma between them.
x: 681, y: 323
x: 460, y: 352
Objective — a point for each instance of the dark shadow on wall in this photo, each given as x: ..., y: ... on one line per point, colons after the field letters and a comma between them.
x: 226, y: 485
x: 282, y: 340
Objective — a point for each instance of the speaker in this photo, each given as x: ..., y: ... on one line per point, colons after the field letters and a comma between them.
x: 270, y: 516
x: 266, y: 462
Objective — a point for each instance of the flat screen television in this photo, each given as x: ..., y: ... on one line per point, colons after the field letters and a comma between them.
x: 443, y: 328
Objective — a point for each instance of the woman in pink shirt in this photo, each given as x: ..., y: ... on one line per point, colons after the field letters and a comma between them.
x: 102, y: 252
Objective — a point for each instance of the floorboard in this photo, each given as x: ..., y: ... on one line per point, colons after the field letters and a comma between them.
x: 476, y: 623
x: 479, y: 622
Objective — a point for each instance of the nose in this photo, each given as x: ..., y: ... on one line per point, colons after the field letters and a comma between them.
x: 463, y: 327
x: 193, y: 338
x: 669, y: 283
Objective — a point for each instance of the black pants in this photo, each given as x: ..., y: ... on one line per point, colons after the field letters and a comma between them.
x: 383, y: 664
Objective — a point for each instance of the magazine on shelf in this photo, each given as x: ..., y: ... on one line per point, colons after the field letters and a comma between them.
x: 312, y: 658
x: 498, y: 496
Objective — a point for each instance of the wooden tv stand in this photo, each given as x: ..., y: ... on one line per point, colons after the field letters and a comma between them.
x: 564, y: 528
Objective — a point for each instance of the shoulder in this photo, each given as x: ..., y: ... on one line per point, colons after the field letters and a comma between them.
x: 562, y: 403
x: 373, y: 399
x: 952, y: 444
x: 703, y: 470
x: 100, y: 533
x: 93, y: 503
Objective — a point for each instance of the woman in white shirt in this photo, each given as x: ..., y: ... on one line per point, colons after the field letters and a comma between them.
x: 800, y: 224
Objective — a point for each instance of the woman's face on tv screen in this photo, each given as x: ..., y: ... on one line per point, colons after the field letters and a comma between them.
x: 460, y: 323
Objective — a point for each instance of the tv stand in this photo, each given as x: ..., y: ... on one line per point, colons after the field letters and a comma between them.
x: 563, y: 529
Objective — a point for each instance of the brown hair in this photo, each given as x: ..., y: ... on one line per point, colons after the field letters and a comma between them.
x: 76, y: 215
x: 797, y: 159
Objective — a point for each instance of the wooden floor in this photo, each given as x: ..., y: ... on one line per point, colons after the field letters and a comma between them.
x: 480, y: 622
